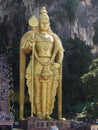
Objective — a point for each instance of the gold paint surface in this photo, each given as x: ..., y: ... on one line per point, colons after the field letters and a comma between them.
x: 44, y: 71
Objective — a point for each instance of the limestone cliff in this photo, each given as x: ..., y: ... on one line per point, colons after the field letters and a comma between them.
x: 14, y: 15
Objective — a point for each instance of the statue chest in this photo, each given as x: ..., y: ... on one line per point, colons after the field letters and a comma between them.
x: 44, y: 45
x: 44, y: 48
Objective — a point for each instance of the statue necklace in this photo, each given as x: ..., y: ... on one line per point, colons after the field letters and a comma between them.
x: 45, y: 39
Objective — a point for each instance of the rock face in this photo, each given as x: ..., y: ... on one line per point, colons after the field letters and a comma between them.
x: 86, y: 16
x: 14, y: 17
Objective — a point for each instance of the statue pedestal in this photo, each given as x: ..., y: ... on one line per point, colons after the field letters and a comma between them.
x: 33, y: 123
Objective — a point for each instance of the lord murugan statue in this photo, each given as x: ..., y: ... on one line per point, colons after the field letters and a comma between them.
x: 43, y: 74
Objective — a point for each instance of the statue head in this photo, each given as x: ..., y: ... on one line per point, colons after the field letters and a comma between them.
x: 44, y: 22
x: 43, y: 14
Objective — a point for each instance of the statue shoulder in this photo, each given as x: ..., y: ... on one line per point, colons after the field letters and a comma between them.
x: 56, y: 37
x: 25, y: 37
x: 58, y: 41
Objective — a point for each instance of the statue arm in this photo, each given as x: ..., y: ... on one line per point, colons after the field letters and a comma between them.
x: 26, y: 42
x: 27, y: 46
x: 59, y: 48
x: 59, y: 56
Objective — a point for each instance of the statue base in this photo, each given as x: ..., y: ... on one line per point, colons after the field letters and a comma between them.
x: 34, y: 123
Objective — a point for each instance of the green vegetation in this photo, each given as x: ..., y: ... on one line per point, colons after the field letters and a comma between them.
x: 90, y: 111
x: 76, y: 62
x: 90, y: 81
x: 27, y: 110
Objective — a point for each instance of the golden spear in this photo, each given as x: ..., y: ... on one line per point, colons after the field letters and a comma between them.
x: 33, y: 22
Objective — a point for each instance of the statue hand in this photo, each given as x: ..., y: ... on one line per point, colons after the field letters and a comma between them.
x: 55, y: 66
x: 31, y: 43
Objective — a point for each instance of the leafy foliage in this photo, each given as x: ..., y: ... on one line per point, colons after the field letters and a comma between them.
x: 89, y: 112
x: 90, y: 81
x: 76, y: 62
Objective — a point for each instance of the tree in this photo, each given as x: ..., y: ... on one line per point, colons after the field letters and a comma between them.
x: 90, y: 81
x: 76, y: 62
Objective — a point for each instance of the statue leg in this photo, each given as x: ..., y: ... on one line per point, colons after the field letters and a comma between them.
x: 44, y: 94
x: 48, y: 98
x: 38, y: 97
x: 54, y: 91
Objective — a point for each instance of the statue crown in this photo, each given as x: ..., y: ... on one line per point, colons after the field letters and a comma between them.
x: 43, y: 10
x: 43, y: 14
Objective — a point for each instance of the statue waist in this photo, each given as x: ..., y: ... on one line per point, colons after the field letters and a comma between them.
x: 45, y: 57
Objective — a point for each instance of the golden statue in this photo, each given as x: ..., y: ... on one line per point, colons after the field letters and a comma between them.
x: 44, y: 71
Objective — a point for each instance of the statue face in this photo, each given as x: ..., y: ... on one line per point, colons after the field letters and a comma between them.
x: 44, y: 24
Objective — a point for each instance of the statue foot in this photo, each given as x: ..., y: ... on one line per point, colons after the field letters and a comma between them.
x: 31, y: 115
x: 49, y: 118
x: 39, y: 116
x: 62, y: 119
x: 23, y: 118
